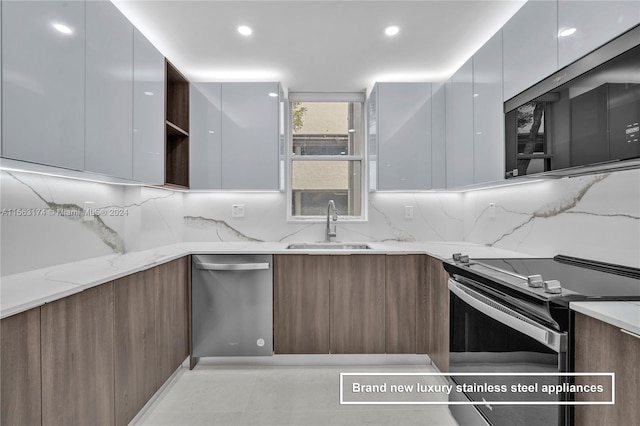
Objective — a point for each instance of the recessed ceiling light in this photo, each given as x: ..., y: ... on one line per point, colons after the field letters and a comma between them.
x: 62, y: 28
x: 475, y: 95
x: 211, y: 131
x: 567, y: 32
x: 273, y: 95
x: 148, y: 93
x: 244, y: 30
x: 391, y: 31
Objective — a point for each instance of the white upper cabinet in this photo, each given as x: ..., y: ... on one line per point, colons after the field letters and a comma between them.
x: 459, y: 123
x: 205, y: 133
x: 595, y: 23
x: 109, y: 91
x: 250, y: 136
x: 43, y: 82
x: 438, y: 137
x: 148, y: 111
x: 488, y: 116
x: 530, y: 42
x: 403, y: 136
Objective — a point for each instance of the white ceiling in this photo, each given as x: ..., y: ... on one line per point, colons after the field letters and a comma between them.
x: 318, y: 46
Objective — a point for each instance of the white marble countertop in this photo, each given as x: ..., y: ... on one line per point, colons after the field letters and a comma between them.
x: 625, y: 315
x: 27, y: 290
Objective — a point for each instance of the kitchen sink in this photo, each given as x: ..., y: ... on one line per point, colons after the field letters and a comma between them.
x: 328, y: 246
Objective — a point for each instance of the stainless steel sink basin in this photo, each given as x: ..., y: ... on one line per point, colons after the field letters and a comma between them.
x: 328, y: 246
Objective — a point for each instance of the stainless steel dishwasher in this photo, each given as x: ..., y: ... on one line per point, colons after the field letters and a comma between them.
x: 232, y: 302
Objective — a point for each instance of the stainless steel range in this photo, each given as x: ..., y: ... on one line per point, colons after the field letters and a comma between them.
x: 512, y: 316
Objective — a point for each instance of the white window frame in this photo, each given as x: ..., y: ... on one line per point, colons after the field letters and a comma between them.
x: 328, y: 97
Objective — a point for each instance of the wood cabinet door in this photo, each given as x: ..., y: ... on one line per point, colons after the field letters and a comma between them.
x: 77, y: 359
x: 600, y: 347
x: 357, y: 290
x: 404, y: 275
x: 20, y: 369
x: 135, y: 344
x: 438, y: 314
x: 301, y: 304
x: 170, y: 281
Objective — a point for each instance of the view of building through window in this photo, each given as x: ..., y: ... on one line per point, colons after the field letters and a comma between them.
x: 326, y: 160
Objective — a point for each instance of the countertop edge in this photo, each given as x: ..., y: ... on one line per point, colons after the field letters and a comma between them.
x: 31, y: 289
x: 621, y: 314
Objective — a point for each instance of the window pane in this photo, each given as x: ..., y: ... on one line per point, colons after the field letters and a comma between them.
x: 314, y: 183
x: 326, y: 128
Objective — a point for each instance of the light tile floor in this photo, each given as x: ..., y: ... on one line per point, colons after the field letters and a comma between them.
x: 279, y: 395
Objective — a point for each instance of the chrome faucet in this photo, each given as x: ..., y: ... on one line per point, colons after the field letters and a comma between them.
x: 329, y: 235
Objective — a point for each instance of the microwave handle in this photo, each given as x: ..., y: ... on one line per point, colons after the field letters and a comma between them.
x: 510, y: 318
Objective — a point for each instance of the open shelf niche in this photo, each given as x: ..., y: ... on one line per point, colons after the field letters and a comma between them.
x: 176, y: 128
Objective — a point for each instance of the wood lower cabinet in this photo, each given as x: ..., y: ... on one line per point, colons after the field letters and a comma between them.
x: 77, y: 359
x: 404, y: 275
x: 172, y: 307
x: 135, y: 344
x: 357, y: 291
x: 601, y: 347
x: 438, y: 314
x: 20, y: 365
x: 301, y: 304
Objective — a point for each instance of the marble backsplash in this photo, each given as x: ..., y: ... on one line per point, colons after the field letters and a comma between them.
x: 43, y: 222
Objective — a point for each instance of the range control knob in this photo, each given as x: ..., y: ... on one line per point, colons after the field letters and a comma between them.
x: 552, y: 286
x: 534, y: 281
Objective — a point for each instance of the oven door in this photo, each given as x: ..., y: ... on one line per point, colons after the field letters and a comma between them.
x: 488, y: 337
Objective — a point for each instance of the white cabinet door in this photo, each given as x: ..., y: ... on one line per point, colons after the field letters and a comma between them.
x: 459, y: 118
x: 438, y: 138
x: 488, y: 116
x: 109, y: 91
x: 530, y: 46
x: 250, y: 136
x: 595, y: 23
x: 43, y: 82
x: 205, y: 136
x: 148, y: 111
x: 404, y: 136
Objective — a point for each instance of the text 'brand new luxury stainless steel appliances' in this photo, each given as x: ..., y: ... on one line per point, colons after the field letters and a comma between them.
x: 232, y: 299
x: 512, y: 316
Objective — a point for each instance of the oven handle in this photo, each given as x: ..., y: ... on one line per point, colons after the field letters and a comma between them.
x: 550, y: 338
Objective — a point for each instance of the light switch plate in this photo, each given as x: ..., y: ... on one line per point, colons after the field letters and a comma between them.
x: 408, y: 212
x: 237, y: 210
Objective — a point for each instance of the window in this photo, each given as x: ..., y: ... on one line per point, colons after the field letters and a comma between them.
x: 326, y: 156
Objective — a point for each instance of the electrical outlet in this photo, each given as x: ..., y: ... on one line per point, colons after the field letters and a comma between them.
x: 492, y: 210
x: 87, y: 212
x: 237, y: 210
x: 408, y: 212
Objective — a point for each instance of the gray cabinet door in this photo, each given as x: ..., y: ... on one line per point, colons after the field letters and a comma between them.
x: 488, y: 116
x: 459, y: 119
x: 530, y: 46
x: 109, y: 91
x: 250, y: 136
x: 43, y: 82
x: 205, y: 136
x: 404, y: 136
x: 595, y: 23
x: 438, y: 138
x: 148, y: 111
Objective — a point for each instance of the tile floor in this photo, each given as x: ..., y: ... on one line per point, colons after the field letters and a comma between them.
x: 279, y: 395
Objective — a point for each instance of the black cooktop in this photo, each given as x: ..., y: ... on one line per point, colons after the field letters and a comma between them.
x: 506, y: 280
x: 586, y: 278
x: 577, y: 279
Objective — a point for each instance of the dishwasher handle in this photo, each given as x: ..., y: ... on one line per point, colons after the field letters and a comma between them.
x: 232, y: 266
